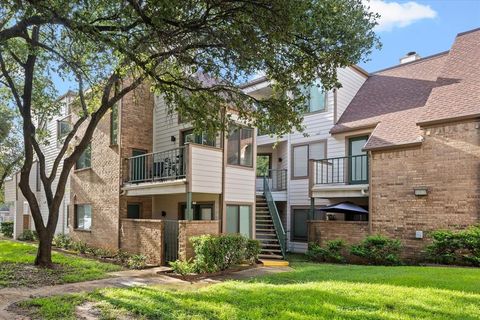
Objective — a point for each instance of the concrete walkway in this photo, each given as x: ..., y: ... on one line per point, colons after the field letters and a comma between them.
x: 119, y: 279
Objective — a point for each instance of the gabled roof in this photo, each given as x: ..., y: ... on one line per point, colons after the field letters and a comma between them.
x: 394, y: 100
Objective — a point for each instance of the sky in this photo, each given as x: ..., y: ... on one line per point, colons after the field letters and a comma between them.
x: 424, y: 26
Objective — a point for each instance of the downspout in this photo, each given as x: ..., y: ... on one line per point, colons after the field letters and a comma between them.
x: 222, y: 195
x: 120, y: 170
x: 370, y: 200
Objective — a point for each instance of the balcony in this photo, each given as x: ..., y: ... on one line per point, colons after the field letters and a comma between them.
x: 340, y: 177
x: 277, y: 181
x: 192, y: 168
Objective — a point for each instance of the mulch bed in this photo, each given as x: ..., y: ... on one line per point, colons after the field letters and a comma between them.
x: 28, y: 275
x: 198, y: 277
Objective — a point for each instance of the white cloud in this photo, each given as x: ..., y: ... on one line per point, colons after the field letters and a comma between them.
x: 398, y: 15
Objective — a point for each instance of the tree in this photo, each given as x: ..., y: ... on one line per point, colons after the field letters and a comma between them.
x: 194, y: 53
x: 11, y: 152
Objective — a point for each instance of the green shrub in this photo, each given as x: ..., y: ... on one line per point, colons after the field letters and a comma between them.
x: 62, y: 241
x: 80, y: 247
x: 137, y: 261
x: 6, y: 228
x: 378, y: 250
x: 332, y: 252
x: 183, y: 267
x: 28, y: 235
x: 455, y: 247
x: 217, y: 253
x: 252, y: 250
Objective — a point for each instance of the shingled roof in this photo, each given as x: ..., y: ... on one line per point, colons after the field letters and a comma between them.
x: 397, y: 100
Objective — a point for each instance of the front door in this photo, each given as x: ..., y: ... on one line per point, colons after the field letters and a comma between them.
x: 358, y: 162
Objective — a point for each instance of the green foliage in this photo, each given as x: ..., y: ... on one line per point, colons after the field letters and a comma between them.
x: 455, y: 247
x: 137, y: 261
x: 80, y: 247
x: 28, y: 235
x: 183, y: 267
x: 62, y: 241
x: 378, y: 250
x: 6, y: 228
x: 332, y: 252
x: 221, y: 252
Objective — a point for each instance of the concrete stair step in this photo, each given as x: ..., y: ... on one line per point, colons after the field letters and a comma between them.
x: 270, y: 256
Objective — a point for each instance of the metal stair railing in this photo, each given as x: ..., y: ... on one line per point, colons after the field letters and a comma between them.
x: 277, y: 222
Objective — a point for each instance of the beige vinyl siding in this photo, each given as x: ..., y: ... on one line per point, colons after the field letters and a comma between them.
x: 239, y: 184
x: 166, y: 126
x: 206, y: 175
x: 351, y: 81
x: 10, y: 189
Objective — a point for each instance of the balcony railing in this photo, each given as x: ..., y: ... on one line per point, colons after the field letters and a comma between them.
x: 276, y: 179
x: 157, y: 166
x: 341, y: 170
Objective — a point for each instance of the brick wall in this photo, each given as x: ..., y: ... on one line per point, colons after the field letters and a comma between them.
x: 351, y: 232
x: 136, y: 132
x: 188, y: 229
x: 100, y: 185
x: 448, y: 164
x: 143, y: 236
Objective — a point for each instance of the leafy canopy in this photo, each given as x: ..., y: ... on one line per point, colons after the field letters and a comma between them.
x: 195, y: 53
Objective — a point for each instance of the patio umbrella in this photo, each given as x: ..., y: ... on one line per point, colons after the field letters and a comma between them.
x: 345, y: 207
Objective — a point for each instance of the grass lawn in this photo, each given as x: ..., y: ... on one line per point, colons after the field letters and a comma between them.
x: 311, y: 291
x: 17, y: 269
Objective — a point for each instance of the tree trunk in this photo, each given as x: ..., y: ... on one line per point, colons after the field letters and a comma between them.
x: 44, y: 252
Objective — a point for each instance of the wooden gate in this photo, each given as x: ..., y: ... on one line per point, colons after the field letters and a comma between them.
x: 170, y: 240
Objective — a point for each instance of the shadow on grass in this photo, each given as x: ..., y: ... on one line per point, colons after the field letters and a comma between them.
x: 456, y: 279
x: 236, y: 300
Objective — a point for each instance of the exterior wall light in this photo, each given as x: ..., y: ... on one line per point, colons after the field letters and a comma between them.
x: 420, y: 191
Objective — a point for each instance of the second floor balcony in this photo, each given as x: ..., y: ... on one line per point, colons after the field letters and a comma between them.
x: 340, y: 177
x: 191, y: 168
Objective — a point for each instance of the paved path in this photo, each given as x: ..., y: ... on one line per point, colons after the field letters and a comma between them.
x: 120, y: 279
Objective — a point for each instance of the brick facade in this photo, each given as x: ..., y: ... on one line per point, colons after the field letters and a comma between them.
x: 100, y: 185
x: 143, y: 236
x: 448, y: 164
x: 188, y: 229
x: 352, y: 232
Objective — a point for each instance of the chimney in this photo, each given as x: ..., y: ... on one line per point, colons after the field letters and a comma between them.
x: 409, y: 57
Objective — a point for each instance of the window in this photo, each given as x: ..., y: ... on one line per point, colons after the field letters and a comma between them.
x: 302, y: 153
x: 316, y: 99
x: 239, y: 219
x: 264, y: 164
x: 358, y: 163
x: 85, y: 160
x: 133, y: 211
x: 203, y: 211
x: 240, y: 147
x: 114, y: 125
x: 189, y: 136
x: 83, y: 216
x: 63, y: 128
x: 299, y: 225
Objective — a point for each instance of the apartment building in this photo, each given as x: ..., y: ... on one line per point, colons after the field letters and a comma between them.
x: 423, y: 121
x: 395, y: 152
x: 287, y: 162
x: 148, y: 182
x: 56, y: 129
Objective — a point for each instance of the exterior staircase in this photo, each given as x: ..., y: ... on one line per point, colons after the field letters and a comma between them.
x: 265, y: 231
